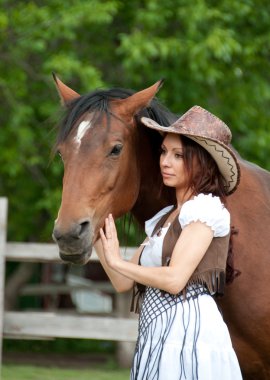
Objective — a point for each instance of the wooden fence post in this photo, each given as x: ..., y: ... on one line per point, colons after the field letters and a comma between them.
x: 125, y: 350
x: 3, y: 232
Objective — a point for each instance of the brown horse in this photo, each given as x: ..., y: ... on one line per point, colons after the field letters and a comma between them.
x: 111, y: 165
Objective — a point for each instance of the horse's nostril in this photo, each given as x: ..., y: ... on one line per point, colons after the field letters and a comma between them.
x: 77, y: 231
x: 84, y: 227
x: 56, y: 234
x: 80, y: 229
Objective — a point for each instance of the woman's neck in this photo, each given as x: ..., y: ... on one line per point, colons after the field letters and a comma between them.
x: 183, y: 195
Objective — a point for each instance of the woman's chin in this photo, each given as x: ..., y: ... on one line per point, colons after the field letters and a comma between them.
x: 169, y: 182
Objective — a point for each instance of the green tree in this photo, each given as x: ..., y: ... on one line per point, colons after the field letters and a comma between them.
x: 211, y: 53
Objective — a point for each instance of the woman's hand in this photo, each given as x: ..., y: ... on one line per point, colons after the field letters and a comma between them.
x: 110, y: 242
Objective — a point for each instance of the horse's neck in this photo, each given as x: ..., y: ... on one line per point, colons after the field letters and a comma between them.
x: 152, y: 196
x: 253, y: 193
x: 149, y: 200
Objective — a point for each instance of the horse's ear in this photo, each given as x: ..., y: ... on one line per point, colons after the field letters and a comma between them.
x: 66, y: 94
x: 133, y: 104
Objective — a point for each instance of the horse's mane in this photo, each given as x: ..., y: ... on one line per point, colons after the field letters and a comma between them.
x: 99, y: 101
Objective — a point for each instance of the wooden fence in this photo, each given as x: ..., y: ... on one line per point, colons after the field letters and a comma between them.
x: 44, y: 325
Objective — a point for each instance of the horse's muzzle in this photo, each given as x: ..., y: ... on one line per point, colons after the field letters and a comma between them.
x: 78, y: 258
x: 75, y: 243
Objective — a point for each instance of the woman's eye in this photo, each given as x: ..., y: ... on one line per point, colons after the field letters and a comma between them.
x: 116, y: 150
x: 162, y: 151
x: 178, y: 155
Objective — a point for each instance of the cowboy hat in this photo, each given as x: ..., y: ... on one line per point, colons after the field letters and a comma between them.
x: 212, y: 134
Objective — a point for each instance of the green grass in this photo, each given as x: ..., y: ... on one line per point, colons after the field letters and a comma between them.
x: 26, y: 372
x: 59, y: 345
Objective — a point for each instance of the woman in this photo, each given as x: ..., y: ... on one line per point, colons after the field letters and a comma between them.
x: 182, y: 262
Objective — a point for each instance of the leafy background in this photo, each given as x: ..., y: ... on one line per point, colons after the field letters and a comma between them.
x: 212, y: 53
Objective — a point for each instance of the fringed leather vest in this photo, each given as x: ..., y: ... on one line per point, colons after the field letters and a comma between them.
x: 210, y: 272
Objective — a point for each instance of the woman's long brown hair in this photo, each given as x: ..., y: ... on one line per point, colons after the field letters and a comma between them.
x: 202, y: 171
x: 204, y: 177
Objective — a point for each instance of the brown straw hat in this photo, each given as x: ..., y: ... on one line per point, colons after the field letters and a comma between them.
x: 212, y: 134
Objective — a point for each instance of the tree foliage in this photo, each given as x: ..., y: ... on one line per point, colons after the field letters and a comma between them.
x: 212, y: 53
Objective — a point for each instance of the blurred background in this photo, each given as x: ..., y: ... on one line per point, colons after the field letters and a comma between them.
x: 215, y: 54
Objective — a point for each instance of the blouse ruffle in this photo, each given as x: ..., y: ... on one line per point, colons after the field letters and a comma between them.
x: 205, y: 208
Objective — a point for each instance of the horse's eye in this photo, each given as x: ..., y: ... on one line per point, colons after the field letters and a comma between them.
x: 116, y: 150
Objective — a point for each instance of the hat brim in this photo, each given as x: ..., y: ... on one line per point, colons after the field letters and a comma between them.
x: 221, y: 153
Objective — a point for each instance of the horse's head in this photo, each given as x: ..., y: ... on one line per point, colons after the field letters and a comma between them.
x: 97, y: 143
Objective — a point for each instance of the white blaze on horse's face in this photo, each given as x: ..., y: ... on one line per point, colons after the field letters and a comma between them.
x: 81, y: 131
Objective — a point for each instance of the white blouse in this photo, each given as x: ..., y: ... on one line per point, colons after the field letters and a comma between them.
x: 207, y: 209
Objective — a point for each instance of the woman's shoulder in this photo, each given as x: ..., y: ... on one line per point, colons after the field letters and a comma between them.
x: 204, y: 200
x: 151, y: 223
x: 207, y: 209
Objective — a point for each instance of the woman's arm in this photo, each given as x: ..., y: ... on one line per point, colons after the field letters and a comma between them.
x: 120, y: 282
x: 188, y: 252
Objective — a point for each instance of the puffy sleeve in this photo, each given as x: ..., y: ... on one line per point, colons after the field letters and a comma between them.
x: 207, y: 209
x: 151, y: 223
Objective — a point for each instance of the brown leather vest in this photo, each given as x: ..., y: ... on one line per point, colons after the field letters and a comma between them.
x: 211, y: 270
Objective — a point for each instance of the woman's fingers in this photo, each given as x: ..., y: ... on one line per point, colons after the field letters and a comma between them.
x: 109, y: 241
x: 106, y: 228
x: 109, y: 236
x: 103, y: 238
x: 112, y: 226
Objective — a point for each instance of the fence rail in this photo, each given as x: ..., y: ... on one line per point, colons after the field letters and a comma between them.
x: 25, y: 325
x: 45, y: 253
x: 47, y: 325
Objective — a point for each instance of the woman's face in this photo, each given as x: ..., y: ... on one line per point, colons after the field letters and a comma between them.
x: 171, y: 162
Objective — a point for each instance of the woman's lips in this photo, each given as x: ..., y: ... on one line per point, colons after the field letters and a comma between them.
x: 168, y: 175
